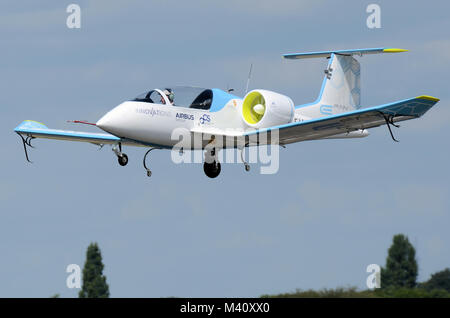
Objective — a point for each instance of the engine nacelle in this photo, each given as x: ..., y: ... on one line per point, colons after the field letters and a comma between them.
x: 262, y: 109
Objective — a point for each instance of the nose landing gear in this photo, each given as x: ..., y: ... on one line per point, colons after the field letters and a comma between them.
x: 121, y: 157
x: 123, y: 160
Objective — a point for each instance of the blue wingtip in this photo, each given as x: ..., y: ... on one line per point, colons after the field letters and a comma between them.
x: 29, y: 124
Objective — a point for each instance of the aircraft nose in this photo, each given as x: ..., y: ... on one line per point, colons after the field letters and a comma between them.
x: 111, y: 121
x: 117, y: 121
x: 104, y: 122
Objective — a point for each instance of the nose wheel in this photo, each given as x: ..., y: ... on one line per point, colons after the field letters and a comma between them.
x: 123, y: 160
x: 121, y: 157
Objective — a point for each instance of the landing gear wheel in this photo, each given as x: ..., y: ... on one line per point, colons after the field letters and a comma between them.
x: 123, y: 159
x: 212, y: 170
x: 247, y: 167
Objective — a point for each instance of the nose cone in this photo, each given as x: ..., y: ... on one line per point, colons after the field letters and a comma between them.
x: 113, y: 121
x: 104, y: 122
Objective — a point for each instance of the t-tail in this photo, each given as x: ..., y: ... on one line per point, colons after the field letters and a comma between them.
x: 341, y: 89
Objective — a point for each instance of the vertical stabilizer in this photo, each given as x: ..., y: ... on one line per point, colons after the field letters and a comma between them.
x: 340, y: 92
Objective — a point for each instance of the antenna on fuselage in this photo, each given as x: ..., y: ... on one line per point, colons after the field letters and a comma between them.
x: 248, y: 79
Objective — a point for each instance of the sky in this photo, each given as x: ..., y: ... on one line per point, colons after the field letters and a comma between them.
x: 330, y: 211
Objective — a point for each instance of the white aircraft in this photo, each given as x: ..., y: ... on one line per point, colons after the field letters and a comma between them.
x: 221, y: 120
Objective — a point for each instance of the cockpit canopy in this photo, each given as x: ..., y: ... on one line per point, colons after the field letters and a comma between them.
x: 183, y: 96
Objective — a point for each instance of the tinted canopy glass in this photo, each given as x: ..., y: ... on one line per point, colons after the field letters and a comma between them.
x: 183, y: 96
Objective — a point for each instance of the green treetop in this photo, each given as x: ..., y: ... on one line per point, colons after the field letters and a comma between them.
x: 94, y: 282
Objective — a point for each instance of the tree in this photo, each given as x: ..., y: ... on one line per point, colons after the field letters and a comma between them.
x: 94, y: 282
x: 439, y: 280
x: 401, y: 266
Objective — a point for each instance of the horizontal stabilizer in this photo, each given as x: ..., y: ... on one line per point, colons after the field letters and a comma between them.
x: 359, y: 52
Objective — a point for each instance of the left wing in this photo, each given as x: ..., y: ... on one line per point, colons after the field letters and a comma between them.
x: 34, y: 129
x: 346, y: 122
x: 30, y: 129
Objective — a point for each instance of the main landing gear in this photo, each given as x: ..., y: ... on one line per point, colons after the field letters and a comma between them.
x: 211, y: 167
x: 121, y: 157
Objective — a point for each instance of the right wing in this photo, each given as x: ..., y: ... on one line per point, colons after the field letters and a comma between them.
x: 323, y: 127
x: 351, y: 121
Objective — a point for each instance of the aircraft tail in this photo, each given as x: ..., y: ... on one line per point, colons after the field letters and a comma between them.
x: 341, y: 89
x: 341, y: 86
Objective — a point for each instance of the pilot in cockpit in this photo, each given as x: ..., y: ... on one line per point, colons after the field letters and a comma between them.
x: 169, y: 95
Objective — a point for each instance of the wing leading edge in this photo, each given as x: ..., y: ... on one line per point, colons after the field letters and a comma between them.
x: 360, y: 119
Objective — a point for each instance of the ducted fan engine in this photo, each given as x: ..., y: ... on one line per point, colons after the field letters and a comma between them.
x: 263, y: 109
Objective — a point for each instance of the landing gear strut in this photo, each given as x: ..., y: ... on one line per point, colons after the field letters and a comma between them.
x: 246, y: 165
x: 26, y: 142
x: 211, y: 167
x: 389, y: 119
x: 149, y: 172
x: 121, y: 157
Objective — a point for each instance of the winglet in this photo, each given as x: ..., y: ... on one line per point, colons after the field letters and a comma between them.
x: 29, y: 124
x: 394, y: 50
x: 434, y: 99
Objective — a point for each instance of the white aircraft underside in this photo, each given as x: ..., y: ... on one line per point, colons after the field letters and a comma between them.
x: 190, y: 118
